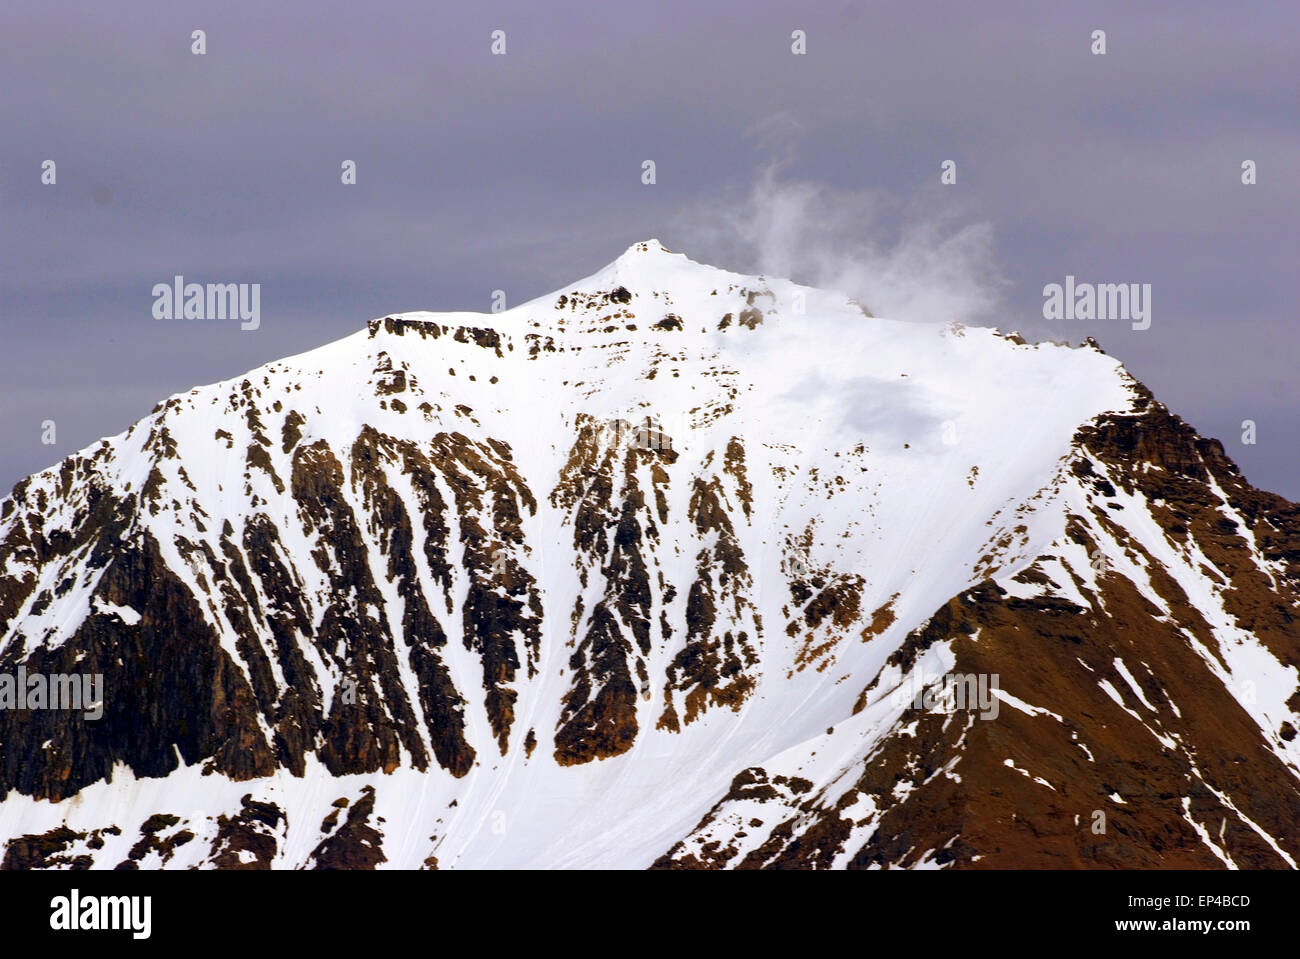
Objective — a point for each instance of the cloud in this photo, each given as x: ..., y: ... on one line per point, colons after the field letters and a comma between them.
x: 903, y: 260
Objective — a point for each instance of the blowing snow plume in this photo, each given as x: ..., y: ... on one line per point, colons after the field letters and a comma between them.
x: 903, y: 261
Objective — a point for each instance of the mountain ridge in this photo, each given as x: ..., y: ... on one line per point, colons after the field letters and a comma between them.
x: 589, y: 578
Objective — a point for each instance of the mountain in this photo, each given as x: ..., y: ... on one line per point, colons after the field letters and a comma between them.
x: 671, y: 568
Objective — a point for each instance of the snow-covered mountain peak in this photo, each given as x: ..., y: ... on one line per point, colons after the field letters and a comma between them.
x: 649, y: 247
x: 638, y: 565
x: 651, y: 288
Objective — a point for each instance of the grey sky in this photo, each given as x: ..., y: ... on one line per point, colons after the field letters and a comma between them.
x: 522, y: 172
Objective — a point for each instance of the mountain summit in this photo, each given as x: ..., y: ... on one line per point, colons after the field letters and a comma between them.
x: 672, y: 567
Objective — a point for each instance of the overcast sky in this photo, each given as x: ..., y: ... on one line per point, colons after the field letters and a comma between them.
x: 522, y: 172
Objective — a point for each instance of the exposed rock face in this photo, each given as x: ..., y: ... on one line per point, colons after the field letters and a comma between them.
x: 494, y: 591
x: 1120, y: 675
x: 356, y: 844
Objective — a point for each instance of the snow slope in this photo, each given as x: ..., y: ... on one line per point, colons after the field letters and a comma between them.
x: 889, y: 466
